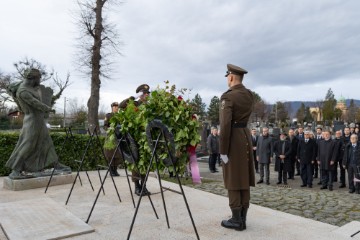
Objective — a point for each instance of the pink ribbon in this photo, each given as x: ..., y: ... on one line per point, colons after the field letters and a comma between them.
x: 193, y: 165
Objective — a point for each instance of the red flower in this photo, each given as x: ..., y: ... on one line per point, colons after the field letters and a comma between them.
x: 136, y: 109
x: 180, y: 98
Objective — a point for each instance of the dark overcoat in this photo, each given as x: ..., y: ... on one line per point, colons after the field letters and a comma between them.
x: 347, y: 154
x: 264, y: 149
x: 294, y: 142
x: 287, y: 153
x: 326, y: 154
x: 306, y: 151
x: 236, y: 106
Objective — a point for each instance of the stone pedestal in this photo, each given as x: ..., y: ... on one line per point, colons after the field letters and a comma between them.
x: 39, y: 182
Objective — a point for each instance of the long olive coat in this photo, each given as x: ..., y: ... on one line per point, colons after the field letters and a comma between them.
x: 34, y: 150
x: 236, y: 106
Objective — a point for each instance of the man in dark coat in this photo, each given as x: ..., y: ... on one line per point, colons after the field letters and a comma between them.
x: 299, y: 136
x: 293, y: 155
x: 236, y: 147
x: 254, y: 140
x: 318, y: 138
x: 264, y: 155
x: 306, y: 157
x: 213, y: 148
x: 326, y: 160
x: 142, y: 92
x: 282, y: 150
x: 339, y: 155
x: 109, y: 153
x: 351, y: 162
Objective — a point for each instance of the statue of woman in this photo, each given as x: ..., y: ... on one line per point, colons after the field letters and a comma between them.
x: 34, y: 150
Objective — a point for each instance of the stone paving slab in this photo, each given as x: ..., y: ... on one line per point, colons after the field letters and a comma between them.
x: 111, y: 219
x: 39, y: 218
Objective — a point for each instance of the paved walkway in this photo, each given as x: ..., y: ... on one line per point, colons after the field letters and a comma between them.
x: 336, y: 207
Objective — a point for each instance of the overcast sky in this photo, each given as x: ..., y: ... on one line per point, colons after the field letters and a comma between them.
x: 293, y: 50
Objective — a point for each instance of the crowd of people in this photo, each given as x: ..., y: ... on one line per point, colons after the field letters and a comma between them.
x: 310, y: 155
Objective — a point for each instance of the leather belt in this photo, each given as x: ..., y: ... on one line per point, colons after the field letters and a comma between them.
x: 239, y: 125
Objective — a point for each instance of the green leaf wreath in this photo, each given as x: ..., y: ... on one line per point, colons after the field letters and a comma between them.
x: 173, y: 111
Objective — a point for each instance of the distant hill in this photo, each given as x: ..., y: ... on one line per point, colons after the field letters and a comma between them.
x: 295, y: 105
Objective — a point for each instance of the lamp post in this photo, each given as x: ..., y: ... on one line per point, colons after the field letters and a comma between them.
x: 64, y: 112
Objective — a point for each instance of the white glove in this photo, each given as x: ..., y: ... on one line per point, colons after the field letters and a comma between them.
x: 224, y: 158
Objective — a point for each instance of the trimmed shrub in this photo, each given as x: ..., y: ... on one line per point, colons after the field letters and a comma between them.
x: 68, y: 151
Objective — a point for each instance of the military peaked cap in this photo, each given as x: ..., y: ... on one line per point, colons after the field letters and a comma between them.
x: 232, y: 69
x: 114, y: 104
x: 143, y: 88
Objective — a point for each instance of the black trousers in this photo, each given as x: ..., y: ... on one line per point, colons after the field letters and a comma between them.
x: 342, y: 174
x: 327, y: 177
x: 316, y: 170
x: 256, y: 162
x: 282, y: 174
x: 297, y: 164
x: 353, y: 172
x: 306, y: 171
x: 212, y: 161
x: 292, y: 172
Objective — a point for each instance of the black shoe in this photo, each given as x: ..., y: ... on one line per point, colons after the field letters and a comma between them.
x: 278, y: 183
x: 138, y: 190
x: 351, y: 190
x: 114, y: 172
x: 323, y: 187
x: 297, y: 174
x: 335, y: 180
x: 260, y: 181
x: 292, y: 178
x: 309, y: 186
x: 303, y: 185
x: 216, y: 170
x: 267, y: 183
x: 212, y: 171
x: 315, y: 176
x: 285, y: 183
x: 319, y: 183
x: 330, y: 188
x: 342, y: 186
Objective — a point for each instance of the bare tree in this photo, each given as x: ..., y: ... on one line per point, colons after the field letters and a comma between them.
x: 49, y: 76
x: 97, y: 41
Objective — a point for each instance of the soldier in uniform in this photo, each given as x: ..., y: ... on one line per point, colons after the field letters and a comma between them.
x: 110, y: 152
x: 236, y: 146
x: 142, y: 92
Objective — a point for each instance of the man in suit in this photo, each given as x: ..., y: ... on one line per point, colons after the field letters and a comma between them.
x: 306, y: 157
x: 236, y: 106
x: 326, y: 160
x: 351, y: 162
x: 318, y: 138
x: 254, y: 139
x: 213, y: 148
x: 264, y: 153
x: 293, y: 155
x: 300, y: 135
x: 282, y: 150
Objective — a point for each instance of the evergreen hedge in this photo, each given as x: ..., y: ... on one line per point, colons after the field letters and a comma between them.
x: 68, y: 152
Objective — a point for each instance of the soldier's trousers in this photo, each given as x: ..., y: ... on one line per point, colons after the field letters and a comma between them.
x: 239, y: 198
x: 135, y: 176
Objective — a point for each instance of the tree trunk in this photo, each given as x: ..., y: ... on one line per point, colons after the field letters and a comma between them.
x: 93, y: 102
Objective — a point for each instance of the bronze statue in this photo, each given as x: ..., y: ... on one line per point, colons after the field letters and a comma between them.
x: 34, y: 150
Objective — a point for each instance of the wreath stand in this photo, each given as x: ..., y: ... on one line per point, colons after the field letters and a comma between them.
x: 166, y: 138
x: 69, y: 137
x: 91, y: 144
x: 129, y: 152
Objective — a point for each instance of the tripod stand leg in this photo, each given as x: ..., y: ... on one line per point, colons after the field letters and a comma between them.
x: 101, y: 181
x: 162, y: 192
x: 127, y: 177
x: 52, y: 173
x: 187, y: 205
x: 89, y: 180
x: 97, y: 196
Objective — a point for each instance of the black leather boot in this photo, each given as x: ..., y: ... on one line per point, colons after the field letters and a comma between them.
x: 235, y: 222
x: 243, y: 215
x: 137, y: 188
x: 114, y: 172
x: 145, y: 192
